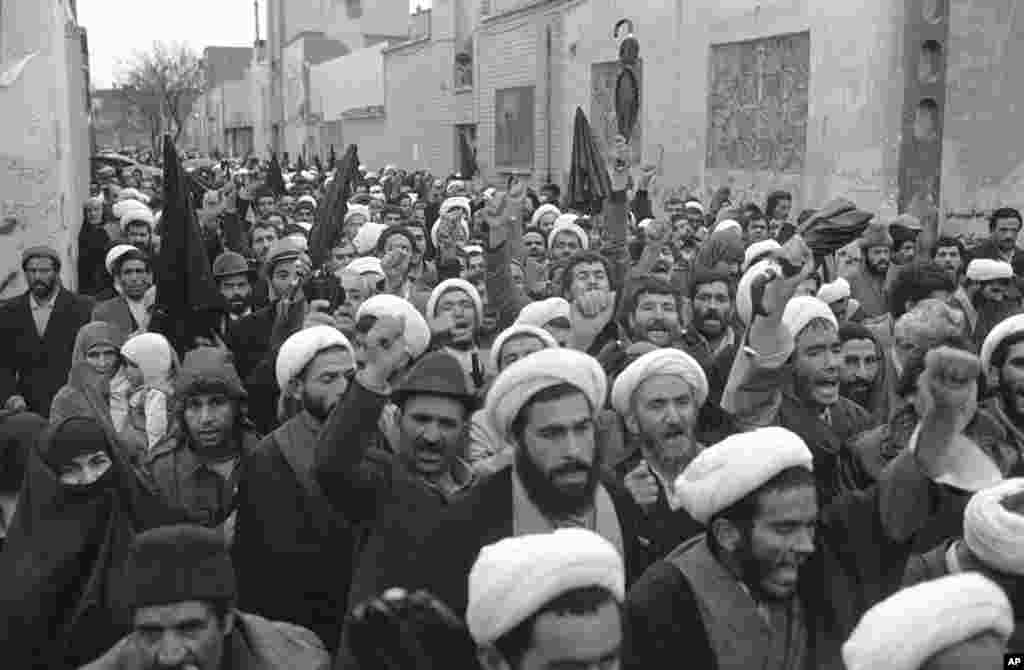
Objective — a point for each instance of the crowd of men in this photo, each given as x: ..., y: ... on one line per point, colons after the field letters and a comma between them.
x: 493, y: 432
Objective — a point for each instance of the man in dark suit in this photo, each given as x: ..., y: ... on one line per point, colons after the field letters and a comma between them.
x: 37, y: 334
x: 131, y: 270
x: 1004, y: 227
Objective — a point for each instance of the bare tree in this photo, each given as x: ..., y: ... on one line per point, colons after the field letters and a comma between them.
x: 161, y: 85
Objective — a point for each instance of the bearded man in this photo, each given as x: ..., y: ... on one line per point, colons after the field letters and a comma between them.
x: 868, y: 287
x: 545, y: 405
x: 286, y: 526
x: 861, y: 372
x: 37, y: 334
x: 235, y: 280
x: 1002, y: 360
x: 660, y: 395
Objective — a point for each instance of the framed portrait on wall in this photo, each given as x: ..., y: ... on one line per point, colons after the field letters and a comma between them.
x: 513, y: 127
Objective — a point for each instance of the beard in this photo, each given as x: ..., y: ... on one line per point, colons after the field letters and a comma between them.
x: 237, y: 306
x: 879, y: 269
x: 42, y: 290
x: 1012, y: 396
x: 701, y: 317
x: 552, y: 499
x: 318, y: 408
x: 643, y: 331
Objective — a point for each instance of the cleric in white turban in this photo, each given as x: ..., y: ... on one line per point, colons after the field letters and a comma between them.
x: 529, y: 339
x: 759, y: 250
x: 365, y: 240
x: 543, y: 312
x: 566, y: 223
x: 545, y: 210
x: 516, y: 577
x: 966, y: 614
x: 667, y: 361
x: 454, y: 284
x: 302, y: 347
x: 114, y: 254
x: 365, y: 265
x: 727, y: 472
x: 802, y: 310
x: 993, y: 532
x: 417, y: 331
x: 522, y: 380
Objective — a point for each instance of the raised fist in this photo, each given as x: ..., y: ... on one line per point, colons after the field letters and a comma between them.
x: 951, y: 380
x: 642, y: 485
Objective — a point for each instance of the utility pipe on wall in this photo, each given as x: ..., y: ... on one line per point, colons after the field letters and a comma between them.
x: 547, y: 99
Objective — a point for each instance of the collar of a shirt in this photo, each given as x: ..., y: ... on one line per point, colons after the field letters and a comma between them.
x: 43, y: 304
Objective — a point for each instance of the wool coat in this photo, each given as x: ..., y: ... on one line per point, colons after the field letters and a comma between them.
x: 36, y: 367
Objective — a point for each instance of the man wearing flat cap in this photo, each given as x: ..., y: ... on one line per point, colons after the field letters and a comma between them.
x: 869, y: 287
x: 286, y: 525
x: 388, y: 495
x: 179, y: 588
x: 777, y: 581
x: 197, y: 467
x: 548, y: 600
x: 37, y: 334
x: 546, y: 405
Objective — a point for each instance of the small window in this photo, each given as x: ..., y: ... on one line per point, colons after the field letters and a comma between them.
x: 926, y: 121
x: 929, y: 67
x: 934, y: 11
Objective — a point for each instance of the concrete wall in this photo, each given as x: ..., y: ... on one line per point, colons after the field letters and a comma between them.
x: 355, y: 80
x: 983, y: 149
x: 41, y: 160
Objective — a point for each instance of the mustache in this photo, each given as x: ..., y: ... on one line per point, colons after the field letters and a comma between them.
x: 572, y: 467
x: 657, y: 324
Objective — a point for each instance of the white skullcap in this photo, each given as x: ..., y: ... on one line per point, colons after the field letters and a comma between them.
x: 417, y: 331
x: 302, y: 347
x: 153, y: 354
x: 514, y: 578
x: 460, y: 202
x: 644, y: 223
x: 364, y: 265
x: 525, y: 378
x: 543, y: 210
x: 994, y: 533
x: 133, y: 194
x: 803, y: 309
x: 354, y: 209
x: 124, y: 207
x: 1004, y: 329
x: 455, y: 185
x: 694, y: 204
x: 567, y: 223
x: 908, y: 628
x: 542, y: 312
x: 986, y: 269
x: 519, y: 330
x: 658, y: 362
x: 727, y: 472
x: 307, y: 199
x: 471, y: 249
x: 365, y: 240
x: 758, y: 248
x: 308, y: 175
x: 115, y: 253
x: 436, y: 228
x: 832, y: 291
x: 143, y: 215
x: 727, y: 224
x: 455, y: 284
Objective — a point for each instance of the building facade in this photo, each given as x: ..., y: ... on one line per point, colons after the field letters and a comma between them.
x: 45, y: 135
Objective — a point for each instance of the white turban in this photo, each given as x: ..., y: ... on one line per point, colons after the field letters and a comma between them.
x: 471, y: 249
x: 1004, y: 329
x: 571, y: 226
x: 133, y: 194
x: 543, y: 210
x: 986, y: 269
x: 658, y: 362
x: 908, y: 628
x: 143, y: 215
x: 115, y: 253
x: 307, y: 199
x: 832, y: 291
x: 417, y: 331
x: 727, y: 224
x: 454, y: 186
x: 803, y: 309
x: 543, y: 312
x: 644, y: 223
x: 519, y: 330
x: 454, y: 284
x: 459, y: 201
x: 436, y: 228
x: 758, y: 248
x: 694, y: 204
x: 302, y: 347
x: 365, y: 240
x: 522, y: 380
x: 515, y: 577
x: 357, y: 209
x: 994, y: 533
x: 153, y: 354
x: 125, y: 207
x: 725, y: 473
x: 364, y: 265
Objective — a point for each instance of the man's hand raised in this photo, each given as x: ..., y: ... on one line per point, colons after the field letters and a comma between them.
x: 386, y: 353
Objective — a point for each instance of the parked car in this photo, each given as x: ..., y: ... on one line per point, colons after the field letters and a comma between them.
x: 125, y: 165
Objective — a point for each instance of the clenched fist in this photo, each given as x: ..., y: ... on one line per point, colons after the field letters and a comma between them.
x: 642, y: 485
